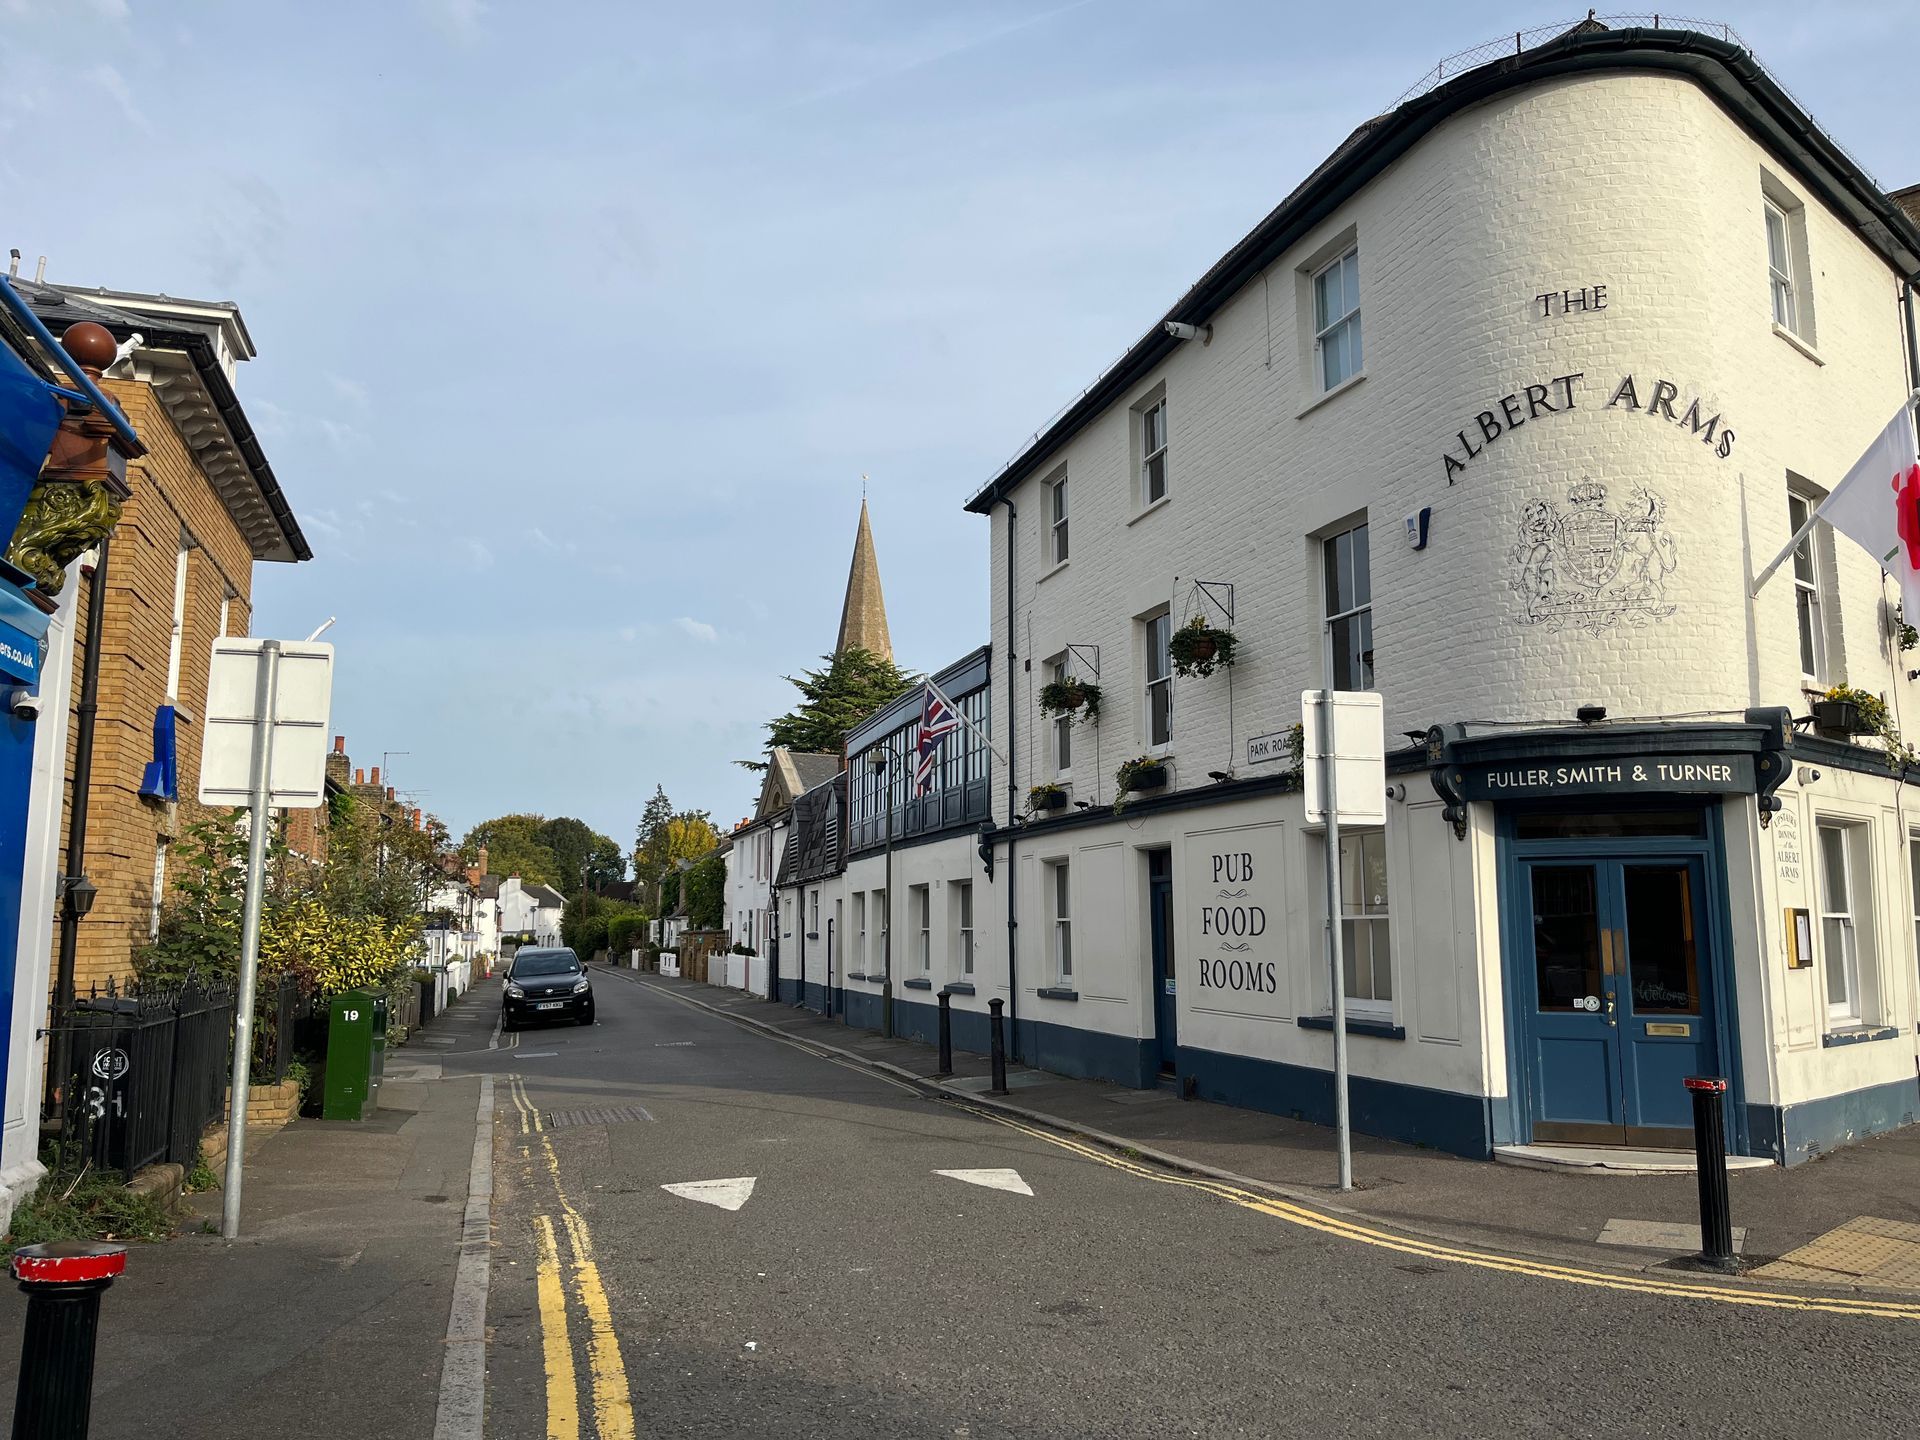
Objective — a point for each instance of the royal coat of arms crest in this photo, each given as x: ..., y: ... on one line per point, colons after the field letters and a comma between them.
x: 1590, y: 567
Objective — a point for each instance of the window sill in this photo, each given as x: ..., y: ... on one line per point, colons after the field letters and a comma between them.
x: 1797, y: 343
x: 856, y: 975
x: 1356, y: 1025
x: 1056, y: 992
x: 1051, y: 571
x: 1146, y: 510
x: 1858, y: 1034
x: 918, y: 982
x: 1325, y: 395
x: 960, y: 987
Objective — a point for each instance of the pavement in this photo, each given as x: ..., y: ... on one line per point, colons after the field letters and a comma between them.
x: 326, y: 1318
x: 1550, y: 1214
x: 702, y: 1227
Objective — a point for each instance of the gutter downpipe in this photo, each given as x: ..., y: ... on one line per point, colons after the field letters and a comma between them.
x: 1013, y: 924
x: 74, y: 871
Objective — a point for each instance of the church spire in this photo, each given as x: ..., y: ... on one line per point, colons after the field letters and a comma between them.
x: 863, y: 619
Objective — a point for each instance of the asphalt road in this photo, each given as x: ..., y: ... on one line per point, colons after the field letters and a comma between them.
x: 856, y: 1292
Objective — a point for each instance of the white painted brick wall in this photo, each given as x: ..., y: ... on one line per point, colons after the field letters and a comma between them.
x: 1636, y: 182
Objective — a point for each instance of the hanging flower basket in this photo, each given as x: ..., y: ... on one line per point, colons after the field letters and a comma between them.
x: 1197, y: 648
x: 1846, y: 711
x: 1141, y: 773
x: 1046, y: 797
x: 1071, y: 695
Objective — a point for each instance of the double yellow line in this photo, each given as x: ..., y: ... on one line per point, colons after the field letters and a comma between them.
x: 607, y: 1373
x: 1345, y: 1229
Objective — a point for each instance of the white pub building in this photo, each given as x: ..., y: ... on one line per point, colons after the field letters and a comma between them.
x: 1500, y: 413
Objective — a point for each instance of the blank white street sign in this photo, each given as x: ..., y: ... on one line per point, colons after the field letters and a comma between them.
x: 1008, y: 1180
x: 727, y: 1194
x: 1359, y: 754
x: 298, y: 777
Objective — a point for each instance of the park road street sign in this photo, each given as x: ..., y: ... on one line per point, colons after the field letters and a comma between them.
x: 304, y: 694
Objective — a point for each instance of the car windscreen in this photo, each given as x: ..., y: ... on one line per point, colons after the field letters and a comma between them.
x: 547, y: 962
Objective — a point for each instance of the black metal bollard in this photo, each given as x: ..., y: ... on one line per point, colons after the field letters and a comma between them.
x: 1710, y: 1159
x: 946, y: 1036
x: 999, y: 1023
x: 63, y: 1281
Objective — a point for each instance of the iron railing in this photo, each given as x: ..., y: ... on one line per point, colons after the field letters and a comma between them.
x: 149, y: 1074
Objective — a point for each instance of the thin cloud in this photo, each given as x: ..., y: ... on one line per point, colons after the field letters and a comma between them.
x: 459, y: 19
x: 698, y: 629
x: 349, y: 390
x: 115, y: 84
x: 478, y: 552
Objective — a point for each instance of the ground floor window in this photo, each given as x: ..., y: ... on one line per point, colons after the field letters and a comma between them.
x: 1839, y: 934
x: 1366, y: 947
x: 1059, y: 899
x: 860, y: 933
x: 963, y: 920
x: 922, y: 910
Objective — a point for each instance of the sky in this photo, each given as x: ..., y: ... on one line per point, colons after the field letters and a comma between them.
x: 579, y: 324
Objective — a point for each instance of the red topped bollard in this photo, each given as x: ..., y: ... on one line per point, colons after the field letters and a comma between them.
x: 63, y: 1280
x: 1709, y: 1094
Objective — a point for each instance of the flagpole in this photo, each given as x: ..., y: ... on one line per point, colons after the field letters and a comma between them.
x: 1765, y: 575
x: 960, y: 715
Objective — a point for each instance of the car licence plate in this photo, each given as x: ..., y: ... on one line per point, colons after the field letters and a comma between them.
x: 551, y: 1005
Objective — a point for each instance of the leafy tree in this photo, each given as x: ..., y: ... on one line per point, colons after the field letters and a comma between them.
x: 706, y: 890
x: 200, y: 921
x: 665, y: 838
x: 670, y: 892
x: 833, y: 701
x: 515, y: 847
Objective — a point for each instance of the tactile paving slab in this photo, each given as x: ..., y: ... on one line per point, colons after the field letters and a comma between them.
x: 1864, y: 1251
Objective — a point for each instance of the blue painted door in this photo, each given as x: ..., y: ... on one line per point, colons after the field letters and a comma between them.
x: 1615, y: 997
x: 1165, y: 1002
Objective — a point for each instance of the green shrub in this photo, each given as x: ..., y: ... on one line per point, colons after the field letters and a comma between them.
x: 200, y: 1175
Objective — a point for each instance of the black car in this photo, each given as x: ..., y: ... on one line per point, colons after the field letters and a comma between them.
x: 546, y: 985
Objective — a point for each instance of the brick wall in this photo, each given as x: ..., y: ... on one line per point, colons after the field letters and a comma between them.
x: 170, y: 493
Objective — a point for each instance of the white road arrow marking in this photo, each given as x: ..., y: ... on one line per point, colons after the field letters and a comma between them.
x: 1008, y: 1180
x: 727, y: 1194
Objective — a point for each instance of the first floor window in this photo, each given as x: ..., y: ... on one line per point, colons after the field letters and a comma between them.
x: 1159, y: 716
x: 1062, y: 723
x: 1153, y: 452
x: 1780, y: 267
x: 1346, y: 568
x: 963, y: 907
x: 1366, y: 947
x: 1807, y: 587
x: 1839, y: 938
x: 1336, y: 319
x: 1057, y: 519
x: 1059, y: 899
x: 159, y: 888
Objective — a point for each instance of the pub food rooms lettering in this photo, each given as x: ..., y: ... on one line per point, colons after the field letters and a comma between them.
x: 1231, y: 922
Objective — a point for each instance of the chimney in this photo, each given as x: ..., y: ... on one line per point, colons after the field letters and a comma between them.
x: 375, y: 781
x: 416, y: 817
x: 376, y: 775
x: 339, y: 744
x: 360, y: 777
x: 483, y: 859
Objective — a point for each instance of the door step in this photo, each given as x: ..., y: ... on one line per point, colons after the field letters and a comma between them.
x: 1613, y: 1160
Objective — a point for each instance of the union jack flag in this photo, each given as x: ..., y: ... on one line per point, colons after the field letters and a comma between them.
x: 937, y: 722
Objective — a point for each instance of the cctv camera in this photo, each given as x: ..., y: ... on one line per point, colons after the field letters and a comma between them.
x: 23, y: 703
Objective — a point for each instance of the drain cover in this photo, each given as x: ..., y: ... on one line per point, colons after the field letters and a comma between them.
x: 602, y: 1115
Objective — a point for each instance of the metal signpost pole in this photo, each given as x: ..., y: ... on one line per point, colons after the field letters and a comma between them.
x: 260, y: 818
x: 1330, y: 800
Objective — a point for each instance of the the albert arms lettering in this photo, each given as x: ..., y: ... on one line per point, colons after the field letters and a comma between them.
x: 1549, y: 399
